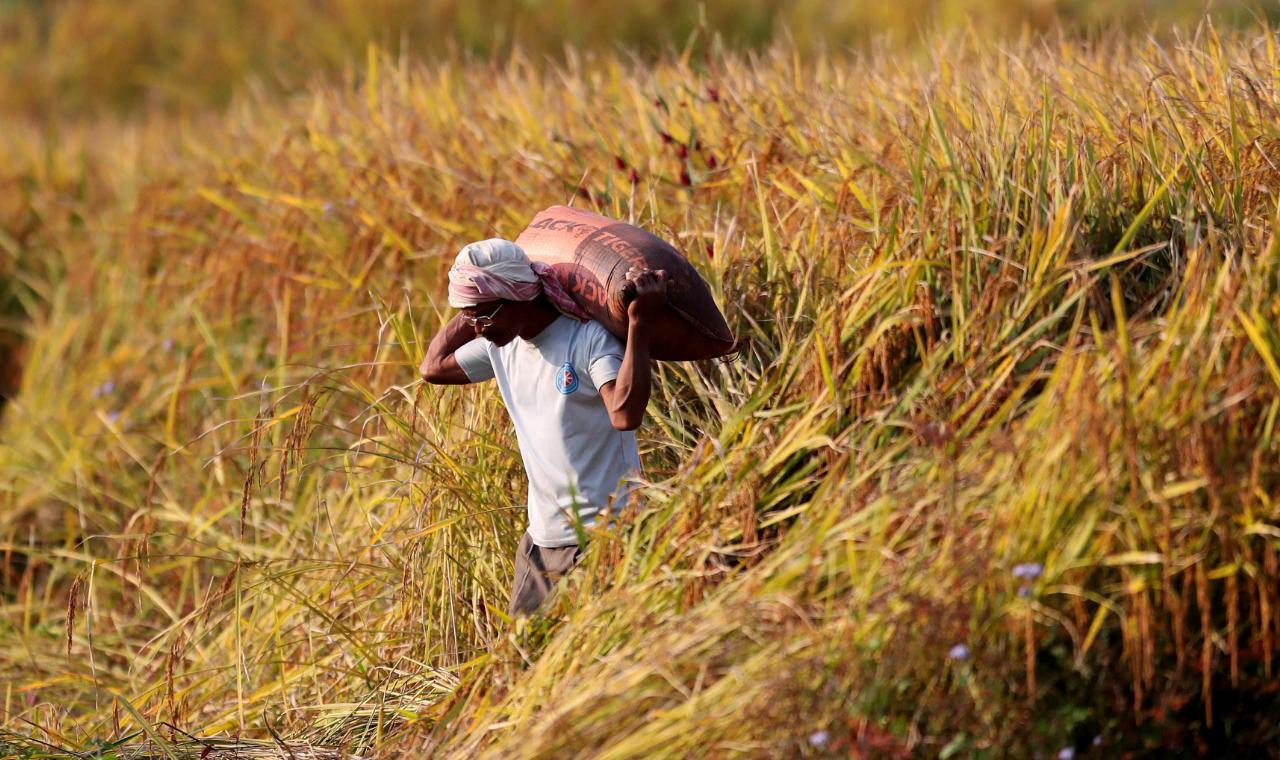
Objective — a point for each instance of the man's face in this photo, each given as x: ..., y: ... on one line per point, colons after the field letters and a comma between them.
x: 493, y: 320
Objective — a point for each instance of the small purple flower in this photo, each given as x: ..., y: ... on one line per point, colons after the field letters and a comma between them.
x: 1097, y: 740
x: 959, y: 652
x: 104, y: 389
x: 1066, y: 753
x: 819, y: 738
x: 167, y: 345
x: 1024, y: 591
x: 1028, y: 571
x: 113, y: 416
x: 328, y: 209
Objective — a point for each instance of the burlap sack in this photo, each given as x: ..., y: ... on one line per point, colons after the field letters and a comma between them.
x: 592, y: 253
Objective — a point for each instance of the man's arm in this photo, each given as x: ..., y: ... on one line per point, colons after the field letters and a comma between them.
x: 627, y: 396
x: 440, y: 367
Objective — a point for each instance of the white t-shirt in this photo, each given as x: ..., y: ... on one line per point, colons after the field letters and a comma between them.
x: 572, y: 453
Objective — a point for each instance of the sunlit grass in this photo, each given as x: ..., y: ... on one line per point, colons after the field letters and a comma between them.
x: 61, y: 58
x: 1004, y: 306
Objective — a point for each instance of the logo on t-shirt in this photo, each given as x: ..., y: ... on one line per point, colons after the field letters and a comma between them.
x: 567, y: 379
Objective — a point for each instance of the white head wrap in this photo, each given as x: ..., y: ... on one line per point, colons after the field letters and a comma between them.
x: 499, y: 269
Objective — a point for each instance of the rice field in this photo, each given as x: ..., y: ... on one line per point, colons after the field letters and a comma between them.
x: 995, y: 473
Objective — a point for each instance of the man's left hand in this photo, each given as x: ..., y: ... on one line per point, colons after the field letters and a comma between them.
x: 649, y: 289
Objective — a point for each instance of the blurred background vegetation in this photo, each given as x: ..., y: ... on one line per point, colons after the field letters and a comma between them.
x: 60, y: 57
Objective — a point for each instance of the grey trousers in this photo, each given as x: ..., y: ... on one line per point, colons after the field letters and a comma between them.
x: 537, y: 571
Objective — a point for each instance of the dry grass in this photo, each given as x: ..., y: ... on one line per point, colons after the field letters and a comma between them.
x: 1008, y: 307
x: 61, y: 58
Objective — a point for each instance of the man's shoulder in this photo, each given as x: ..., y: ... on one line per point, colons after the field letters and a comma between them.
x: 598, y: 333
x: 482, y: 345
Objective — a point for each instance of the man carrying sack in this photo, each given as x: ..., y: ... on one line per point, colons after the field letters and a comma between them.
x: 574, y: 393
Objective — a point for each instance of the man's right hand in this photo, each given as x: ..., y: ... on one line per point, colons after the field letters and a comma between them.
x: 440, y: 367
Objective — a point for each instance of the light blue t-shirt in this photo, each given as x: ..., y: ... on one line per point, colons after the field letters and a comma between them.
x: 573, y: 456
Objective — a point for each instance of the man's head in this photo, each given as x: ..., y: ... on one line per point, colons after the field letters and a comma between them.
x: 502, y: 321
x: 503, y: 294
